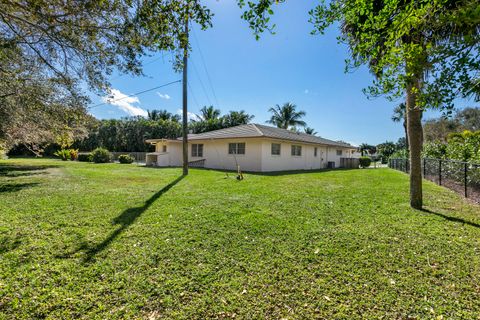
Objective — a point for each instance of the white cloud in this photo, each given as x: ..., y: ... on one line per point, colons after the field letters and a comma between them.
x: 306, y: 91
x: 125, y: 103
x: 164, y: 96
x: 190, y: 115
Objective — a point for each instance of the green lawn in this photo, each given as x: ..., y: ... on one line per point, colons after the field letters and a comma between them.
x: 81, y: 240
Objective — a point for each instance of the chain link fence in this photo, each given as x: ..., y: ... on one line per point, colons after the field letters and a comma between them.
x: 462, y: 177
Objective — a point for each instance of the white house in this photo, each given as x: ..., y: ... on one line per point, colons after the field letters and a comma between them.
x: 253, y: 147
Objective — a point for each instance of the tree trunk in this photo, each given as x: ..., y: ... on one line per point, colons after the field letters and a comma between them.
x: 415, y: 141
x: 406, y: 132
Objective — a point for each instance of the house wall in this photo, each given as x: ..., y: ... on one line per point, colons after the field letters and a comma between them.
x: 172, y: 157
x: 285, y: 161
x: 332, y: 155
x: 215, y: 153
x: 257, y: 155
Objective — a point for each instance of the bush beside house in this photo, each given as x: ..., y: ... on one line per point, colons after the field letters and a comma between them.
x: 365, y: 162
x: 125, y: 158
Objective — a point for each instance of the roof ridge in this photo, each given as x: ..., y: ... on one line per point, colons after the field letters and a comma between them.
x: 256, y: 128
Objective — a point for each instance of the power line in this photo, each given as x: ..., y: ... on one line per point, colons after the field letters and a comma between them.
x: 205, y: 67
x: 193, y: 95
x: 136, y: 94
x: 201, y: 82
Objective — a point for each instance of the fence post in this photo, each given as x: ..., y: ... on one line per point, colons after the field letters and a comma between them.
x: 440, y: 171
x: 465, y: 177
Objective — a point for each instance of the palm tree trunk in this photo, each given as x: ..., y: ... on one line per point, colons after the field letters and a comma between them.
x: 406, y: 133
x: 415, y: 139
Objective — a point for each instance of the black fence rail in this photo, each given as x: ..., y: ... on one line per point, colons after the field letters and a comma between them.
x: 197, y: 163
x: 462, y: 177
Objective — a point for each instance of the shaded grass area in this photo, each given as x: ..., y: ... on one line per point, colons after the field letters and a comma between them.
x: 82, y: 240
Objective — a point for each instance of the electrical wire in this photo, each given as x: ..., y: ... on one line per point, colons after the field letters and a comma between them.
x: 201, y: 82
x: 205, y: 68
x: 136, y: 94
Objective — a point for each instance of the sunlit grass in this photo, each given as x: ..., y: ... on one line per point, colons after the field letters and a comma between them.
x: 82, y: 240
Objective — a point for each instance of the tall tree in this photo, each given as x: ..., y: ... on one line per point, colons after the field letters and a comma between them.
x: 421, y: 50
x: 58, y: 46
x: 310, y: 131
x: 236, y: 118
x: 367, y: 149
x: 286, y: 116
x: 209, y: 113
x: 469, y: 118
x: 156, y: 115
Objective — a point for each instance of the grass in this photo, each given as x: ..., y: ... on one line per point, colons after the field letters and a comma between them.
x: 81, y: 240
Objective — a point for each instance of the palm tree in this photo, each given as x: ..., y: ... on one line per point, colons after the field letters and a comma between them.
x: 399, y: 115
x: 286, y: 116
x: 236, y: 118
x: 310, y: 131
x: 156, y: 115
x: 209, y: 113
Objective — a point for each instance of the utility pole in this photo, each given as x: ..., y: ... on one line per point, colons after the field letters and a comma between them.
x: 185, y: 96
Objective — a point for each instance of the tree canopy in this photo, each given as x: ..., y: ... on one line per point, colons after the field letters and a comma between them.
x: 50, y: 49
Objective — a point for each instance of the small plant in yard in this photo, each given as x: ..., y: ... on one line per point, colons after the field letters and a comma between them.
x: 101, y: 155
x: 63, y: 154
x: 365, y: 162
x: 85, y: 157
x: 73, y: 154
x: 126, y: 158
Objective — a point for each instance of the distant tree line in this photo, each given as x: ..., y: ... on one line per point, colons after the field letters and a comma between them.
x: 455, y: 137
x: 436, y: 130
x: 130, y: 134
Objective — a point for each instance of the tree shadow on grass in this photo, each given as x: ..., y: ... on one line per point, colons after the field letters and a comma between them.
x: 293, y: 172
x: 453, y: 219
x: 14, y: 187
x: 8, y: 170
x: 125, y: 219
x: 7, y: 245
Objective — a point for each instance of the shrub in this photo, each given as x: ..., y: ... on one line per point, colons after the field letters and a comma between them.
x: 365, y: 162
x: 63, y: 154
x: 101, y: 155
x: 434, y: 150
x: 85, y: 157
x: 400, y: 154
x: 125, y: 158
x: 73, y: 154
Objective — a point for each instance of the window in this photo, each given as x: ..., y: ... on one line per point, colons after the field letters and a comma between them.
x: 296, y: 150
x: 315, y: 151
x: 236, y: 148
x: 339, y: 152
x: 197, y: 150
x: 164, y: 148
x: 276, y: 149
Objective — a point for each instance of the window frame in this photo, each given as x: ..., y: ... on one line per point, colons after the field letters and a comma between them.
x: 164, y: 148
x: 235, y: 150
x: 339, y: 152
x: 315, y: 152
x: 197, y: 147
x: 279, y: 149
x: 294, y: 149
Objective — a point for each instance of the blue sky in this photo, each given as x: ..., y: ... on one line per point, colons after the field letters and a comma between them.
x: 290, y: 66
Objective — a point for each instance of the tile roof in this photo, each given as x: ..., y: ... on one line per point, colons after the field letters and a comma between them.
x: 259, y: 130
